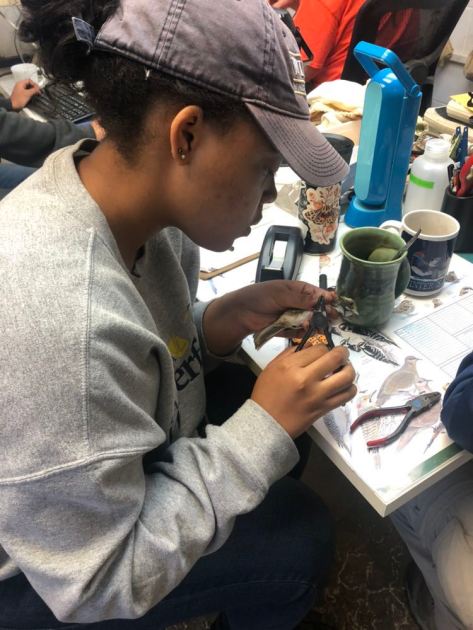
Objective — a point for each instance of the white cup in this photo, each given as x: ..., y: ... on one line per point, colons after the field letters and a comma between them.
x: 22, y: 71
x: 429, y: 256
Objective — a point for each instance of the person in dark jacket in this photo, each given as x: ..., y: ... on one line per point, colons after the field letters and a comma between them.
x: 437, y: 526
x: 26, y: 142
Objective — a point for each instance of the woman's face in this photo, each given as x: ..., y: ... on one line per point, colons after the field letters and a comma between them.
x: 222, y: 189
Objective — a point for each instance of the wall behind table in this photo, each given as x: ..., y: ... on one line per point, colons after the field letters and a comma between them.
x: 7, y: 33
x: 450, y: 79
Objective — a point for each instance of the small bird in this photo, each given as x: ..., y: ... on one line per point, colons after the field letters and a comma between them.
x: 344, y: 306
x: 292, y: 319
x: 402, y: 379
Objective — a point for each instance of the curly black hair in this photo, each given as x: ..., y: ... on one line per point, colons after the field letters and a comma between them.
x: 115, y: 86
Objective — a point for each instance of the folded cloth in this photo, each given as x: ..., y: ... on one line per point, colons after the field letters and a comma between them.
x: 336, y: 102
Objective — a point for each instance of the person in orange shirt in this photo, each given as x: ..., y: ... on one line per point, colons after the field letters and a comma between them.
x: 327, y: 26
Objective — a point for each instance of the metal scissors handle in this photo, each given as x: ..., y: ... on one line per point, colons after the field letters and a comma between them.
x: 318, y: 324
x: 319, y: 320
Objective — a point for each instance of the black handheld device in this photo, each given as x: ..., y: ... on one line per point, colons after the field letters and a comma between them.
x: 303, y: 46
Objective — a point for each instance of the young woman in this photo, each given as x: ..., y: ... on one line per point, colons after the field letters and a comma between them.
x: 118, y: 501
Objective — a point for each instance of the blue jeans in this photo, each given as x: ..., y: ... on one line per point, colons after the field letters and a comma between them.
x: 11, y: 175
x: 265, y: 577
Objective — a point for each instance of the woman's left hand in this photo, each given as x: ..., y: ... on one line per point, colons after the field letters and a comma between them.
x: 229, y: 319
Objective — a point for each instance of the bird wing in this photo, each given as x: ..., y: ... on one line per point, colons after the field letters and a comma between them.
x: 261, y: 337
x: 291, y: 319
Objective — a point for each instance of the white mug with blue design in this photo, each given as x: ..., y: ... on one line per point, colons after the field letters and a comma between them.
x: 430, y: 255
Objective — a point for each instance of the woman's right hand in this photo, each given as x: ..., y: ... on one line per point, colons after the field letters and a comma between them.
x: 297, y: 388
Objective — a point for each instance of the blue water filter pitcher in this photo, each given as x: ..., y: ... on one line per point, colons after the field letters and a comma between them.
x: 392, y: 102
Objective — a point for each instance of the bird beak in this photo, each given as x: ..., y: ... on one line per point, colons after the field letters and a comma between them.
x: 261, y: 337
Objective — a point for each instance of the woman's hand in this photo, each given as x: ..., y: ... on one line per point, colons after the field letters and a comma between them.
x: 285, y: 4
x: 229, y: 319
x: 22, y: 94
x: 297, y: 388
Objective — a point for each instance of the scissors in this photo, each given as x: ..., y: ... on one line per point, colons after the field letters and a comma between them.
x: 465, y: 178
x: 411, y: 409
x: 318, y: 325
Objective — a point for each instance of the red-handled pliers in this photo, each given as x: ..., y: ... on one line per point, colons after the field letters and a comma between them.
x: 412, y: 408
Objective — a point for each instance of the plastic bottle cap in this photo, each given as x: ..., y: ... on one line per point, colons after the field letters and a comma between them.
x: 437, y: 148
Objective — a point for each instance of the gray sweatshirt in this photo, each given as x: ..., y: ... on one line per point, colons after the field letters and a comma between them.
x: 29, y: 142
x: 101, y: 370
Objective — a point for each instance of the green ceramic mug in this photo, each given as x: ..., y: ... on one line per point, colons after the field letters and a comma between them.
x: 372, y: 286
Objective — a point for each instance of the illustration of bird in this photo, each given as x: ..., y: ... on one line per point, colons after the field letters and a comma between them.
x: 424, y: 267
x: 369, y: 430
x: 406, y: 307
x: 452, y: 277
x: 373, y: 344
x: 437, y: 429
x: 429, y: 420
x: 402, y: 379
x: 336, y: 431
x: 367, y: 332
x: 291, y: 319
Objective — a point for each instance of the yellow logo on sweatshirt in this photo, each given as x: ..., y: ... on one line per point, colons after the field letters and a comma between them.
x: 178, y: 347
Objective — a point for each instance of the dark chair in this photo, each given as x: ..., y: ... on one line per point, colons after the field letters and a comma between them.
x: 428, y: 25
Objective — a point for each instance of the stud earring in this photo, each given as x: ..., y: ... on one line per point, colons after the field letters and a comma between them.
x: 181, y: 153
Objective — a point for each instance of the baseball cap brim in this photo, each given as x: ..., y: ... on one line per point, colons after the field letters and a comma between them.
x: 303, y: 147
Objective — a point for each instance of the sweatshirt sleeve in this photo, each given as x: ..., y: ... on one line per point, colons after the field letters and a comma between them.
x: 29, y: 142
x: 102, y: 540
x: 190, y: 262
x: 5, y: 103
x: 457, y: 410
x: 96, y: 537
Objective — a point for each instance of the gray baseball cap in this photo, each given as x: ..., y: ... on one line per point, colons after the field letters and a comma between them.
x: 239, y: 48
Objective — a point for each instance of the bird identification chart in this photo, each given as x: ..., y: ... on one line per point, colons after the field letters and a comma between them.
x: 415, y: 356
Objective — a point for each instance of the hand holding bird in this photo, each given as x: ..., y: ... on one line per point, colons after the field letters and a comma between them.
x: 292, y: 320
x: 229, y: 319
